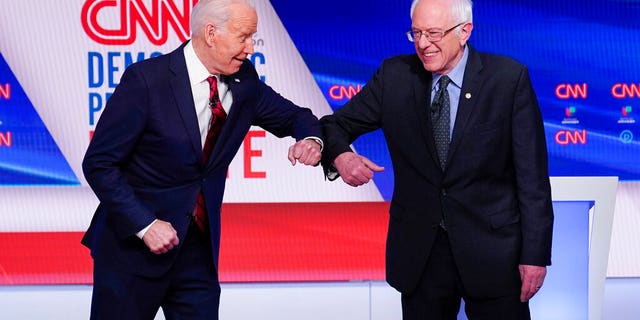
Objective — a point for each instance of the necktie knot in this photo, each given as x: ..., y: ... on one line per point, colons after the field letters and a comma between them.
x: 213, y: 89
x: 443, y: 82
x: 441, y: 95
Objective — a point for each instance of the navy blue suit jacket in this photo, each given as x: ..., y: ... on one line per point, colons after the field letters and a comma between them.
x: 495, y: 192
x: 144, y: 161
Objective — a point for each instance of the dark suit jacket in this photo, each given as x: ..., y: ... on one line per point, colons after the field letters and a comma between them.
x: 145, y: 159
x: 495, y: 192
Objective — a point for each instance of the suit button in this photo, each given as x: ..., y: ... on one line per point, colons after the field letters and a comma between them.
x: 443, y: 192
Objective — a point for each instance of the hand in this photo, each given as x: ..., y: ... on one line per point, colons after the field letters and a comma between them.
x: 306, y: 151
x: 161, y: 237
x: 532, y: 278
x: 355, y: 169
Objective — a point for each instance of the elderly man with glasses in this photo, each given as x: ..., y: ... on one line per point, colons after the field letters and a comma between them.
x: 471, y: 215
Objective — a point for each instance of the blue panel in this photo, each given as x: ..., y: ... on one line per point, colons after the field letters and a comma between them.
x: 590, y: 45
x: 28, y: 153
x: 565, y: 293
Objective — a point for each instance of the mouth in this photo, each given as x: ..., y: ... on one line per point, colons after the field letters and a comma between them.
x: 430, y: 54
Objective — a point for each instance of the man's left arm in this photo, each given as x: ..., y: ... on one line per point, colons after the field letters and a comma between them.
x: 282, y: 118
x: 533, y: 187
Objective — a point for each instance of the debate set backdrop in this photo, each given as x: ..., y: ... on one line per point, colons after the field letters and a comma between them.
x: 60, y: 61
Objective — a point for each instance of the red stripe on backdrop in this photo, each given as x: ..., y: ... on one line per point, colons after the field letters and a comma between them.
x: 261, y: 242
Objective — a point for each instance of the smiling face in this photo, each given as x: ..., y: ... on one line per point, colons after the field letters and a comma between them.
x: 229, y: 45
x: 443, y: 55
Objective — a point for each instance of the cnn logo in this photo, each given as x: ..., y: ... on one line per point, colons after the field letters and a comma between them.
x: 130, y: 15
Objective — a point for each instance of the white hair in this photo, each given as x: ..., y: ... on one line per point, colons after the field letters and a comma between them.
x: 461, y: 10
x: 212, y: 11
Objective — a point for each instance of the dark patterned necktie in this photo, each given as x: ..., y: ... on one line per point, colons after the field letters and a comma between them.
x: 218, y: 116
x: 440, y: 120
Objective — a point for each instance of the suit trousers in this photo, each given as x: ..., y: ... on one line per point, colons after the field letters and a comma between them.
x: 440, y: 290
x: 189, y: 290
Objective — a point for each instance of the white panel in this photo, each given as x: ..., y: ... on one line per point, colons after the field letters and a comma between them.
x: 385, y: 302
x: 245, y: 302
x: 46, y: 209
x: 45, y: 302
x: 53, y: 67
x: 622, y: 299
x: 624, y: 257
x: 308, y: 301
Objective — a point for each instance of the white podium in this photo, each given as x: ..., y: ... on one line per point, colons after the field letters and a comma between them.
x: 601, y: 191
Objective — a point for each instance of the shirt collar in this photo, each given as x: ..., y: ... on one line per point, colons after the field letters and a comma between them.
x: 457, y: 74
x: 195, y: 68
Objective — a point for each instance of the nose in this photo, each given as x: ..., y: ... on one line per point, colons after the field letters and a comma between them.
x: 422, y: 42
x: 248, y: 46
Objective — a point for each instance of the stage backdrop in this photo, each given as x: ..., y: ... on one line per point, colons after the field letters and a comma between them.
x: 59, y: 63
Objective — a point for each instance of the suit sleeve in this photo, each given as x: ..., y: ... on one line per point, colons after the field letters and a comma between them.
x: 278, y: 115
x: 282, y: 117
x: 533, y: 186
x: 360, y: 115
x: 115, y: 136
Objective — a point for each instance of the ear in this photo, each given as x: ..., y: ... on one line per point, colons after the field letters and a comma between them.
x: 209, y: 33
x: 465, y: 33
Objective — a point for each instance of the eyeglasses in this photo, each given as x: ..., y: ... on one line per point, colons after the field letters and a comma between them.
x: 432, y: 35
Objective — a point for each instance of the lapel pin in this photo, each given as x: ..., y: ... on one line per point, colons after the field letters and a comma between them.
x: 236, y: 79
x: 467, y: 95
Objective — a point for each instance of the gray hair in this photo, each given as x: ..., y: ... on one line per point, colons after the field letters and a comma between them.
x: 212, y: 11
x: 461, y: 10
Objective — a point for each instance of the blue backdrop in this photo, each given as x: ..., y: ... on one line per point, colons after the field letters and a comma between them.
x: 582, y: 57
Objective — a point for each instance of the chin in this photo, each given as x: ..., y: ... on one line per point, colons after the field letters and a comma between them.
x: 235, y: 65
x: 427, y: 66
x: 229, y: 70
x: 431, y: 66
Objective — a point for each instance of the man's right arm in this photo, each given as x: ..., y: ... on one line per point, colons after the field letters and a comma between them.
x: 355, y: 169
x: 116, y: 134
x: 358, y: 116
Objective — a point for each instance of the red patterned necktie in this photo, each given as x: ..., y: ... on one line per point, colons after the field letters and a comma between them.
x: 218, y: 116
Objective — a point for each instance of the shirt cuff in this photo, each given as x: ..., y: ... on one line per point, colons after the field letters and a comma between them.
x: 142, y: 232
x: 318, y: 140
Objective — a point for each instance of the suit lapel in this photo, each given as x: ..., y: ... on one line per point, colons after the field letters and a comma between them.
x: 471, y: 85
x: 422, y: 94
x: 184, y: 99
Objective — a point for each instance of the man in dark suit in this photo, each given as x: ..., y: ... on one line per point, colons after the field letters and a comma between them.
x: 471, y: 215
x: 151, y: 246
